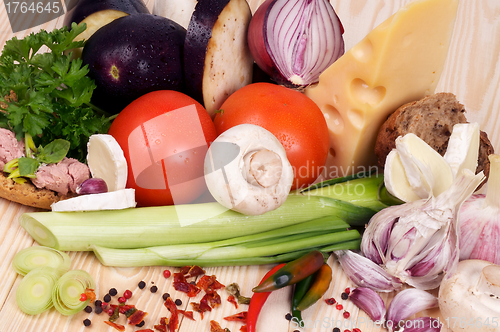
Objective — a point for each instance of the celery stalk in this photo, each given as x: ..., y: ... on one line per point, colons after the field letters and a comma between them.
x: 180, y: 224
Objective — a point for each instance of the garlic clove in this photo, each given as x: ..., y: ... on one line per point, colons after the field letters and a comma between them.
x: 370, y: 302
x: 365, y: 273
x: 427, y: 171
x: 396, y: 180
x: 463, y: 147
x: 407, y: 303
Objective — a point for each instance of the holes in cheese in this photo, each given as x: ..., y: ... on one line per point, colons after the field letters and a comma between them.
x: 366, y: 94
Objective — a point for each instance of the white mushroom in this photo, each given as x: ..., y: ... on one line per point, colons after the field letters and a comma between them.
x: 246, y: 170
x: 470, y: 299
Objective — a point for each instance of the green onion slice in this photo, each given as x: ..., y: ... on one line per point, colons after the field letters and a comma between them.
x: 67, y: 292
x: 34, y: 293
x: 35, y: 257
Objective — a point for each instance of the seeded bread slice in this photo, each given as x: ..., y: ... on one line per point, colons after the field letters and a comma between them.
x: 28, y: 194
x: 432, y: 119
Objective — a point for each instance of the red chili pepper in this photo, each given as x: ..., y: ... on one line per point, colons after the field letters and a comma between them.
x: 257, y: 302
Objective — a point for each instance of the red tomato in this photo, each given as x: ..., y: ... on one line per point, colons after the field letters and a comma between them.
x: 291, y: 116
x: 164, y: 136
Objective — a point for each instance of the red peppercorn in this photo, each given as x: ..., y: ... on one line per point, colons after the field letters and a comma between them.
x: 83, y: 297
x: 339, y: 307
x: 347, y: 330
x: 356, y: 330
x: 330, y: 301
x: 122, y: 299
x: 167, y: 273
x: 346, y: 314
x: 111, y: 311
x: 347, y: 290
x: 104, y: 305
x: 127, y: 294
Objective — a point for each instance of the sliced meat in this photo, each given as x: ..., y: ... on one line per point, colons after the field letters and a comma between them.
x: 62, y: 177
x: 10, y: 147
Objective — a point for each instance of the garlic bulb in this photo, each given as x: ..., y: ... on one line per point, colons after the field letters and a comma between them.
x: 417, y: 242
x: 480, y: 220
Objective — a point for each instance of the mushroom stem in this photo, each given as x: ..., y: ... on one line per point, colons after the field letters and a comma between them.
x: 262, y: 168
x: 489, y: 281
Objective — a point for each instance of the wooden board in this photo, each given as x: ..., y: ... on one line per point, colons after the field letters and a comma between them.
x: 472, y: 73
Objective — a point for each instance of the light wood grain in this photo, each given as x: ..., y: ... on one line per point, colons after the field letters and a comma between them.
x: 472, y: 72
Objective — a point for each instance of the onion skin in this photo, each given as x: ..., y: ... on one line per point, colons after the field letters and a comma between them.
x: 257, y: 40
x: 295, y: 52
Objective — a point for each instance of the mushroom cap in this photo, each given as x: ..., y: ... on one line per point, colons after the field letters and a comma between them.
x: 464, y: 301
x: 225, y: 168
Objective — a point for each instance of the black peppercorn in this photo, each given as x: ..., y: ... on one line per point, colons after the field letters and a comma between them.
x: 141, y: 324
x: 88, y: 309
x: 87, y: 322
x: 165, y: 296
x: 336, y: 329
x: 153, y: 289
x: 142, y: 284
x: 288, y: 316
x: 98, y: 303
x: 344, y: 296
x: 98, y: 310
x: 107, y: 298
x: 178, y: 302
x: 113, y: 292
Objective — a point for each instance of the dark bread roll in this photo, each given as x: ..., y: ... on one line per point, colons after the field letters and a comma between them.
x: 432, y: 119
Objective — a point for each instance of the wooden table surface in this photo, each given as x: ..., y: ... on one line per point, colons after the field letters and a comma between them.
x: 472, y: 73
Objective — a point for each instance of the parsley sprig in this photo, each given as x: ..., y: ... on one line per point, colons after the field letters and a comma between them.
x: 46, y: 94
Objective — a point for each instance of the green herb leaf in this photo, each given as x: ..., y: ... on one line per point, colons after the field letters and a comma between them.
x: 53, y: 152
x: 28, y: 166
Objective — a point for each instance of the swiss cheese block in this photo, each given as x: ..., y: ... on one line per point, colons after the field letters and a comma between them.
x: 399, y: 61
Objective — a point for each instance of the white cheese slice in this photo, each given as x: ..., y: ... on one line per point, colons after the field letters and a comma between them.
x: 114, y: 200
x: 463, y: 148
x: 400, y: 61
x: 106, y: 160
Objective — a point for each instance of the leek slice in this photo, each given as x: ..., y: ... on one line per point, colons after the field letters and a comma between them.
x: 161, y: 225
x: 35, y: 257
x: 34, y: 293
x: 68, y: 290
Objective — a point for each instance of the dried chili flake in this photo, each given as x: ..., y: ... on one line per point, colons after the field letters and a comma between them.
x: 215, y: 327
x: 145, y: 330
x: 161, y: 328
x: 239, y: 317
x: 174, y: 319
x: 188, y: 314
x: 243, y: 328
x: 164, y: 321
x: 192, y: 271
x: 127, y: 308
x: 181, y: 285
x: 137, y: 317
x: 232, y: 299
x: 209, y: 283
x: 118, y: 327
x: 116, y: 313
x: 90, y: 294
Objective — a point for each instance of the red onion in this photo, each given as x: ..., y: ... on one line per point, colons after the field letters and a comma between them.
x: 294, y: 41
